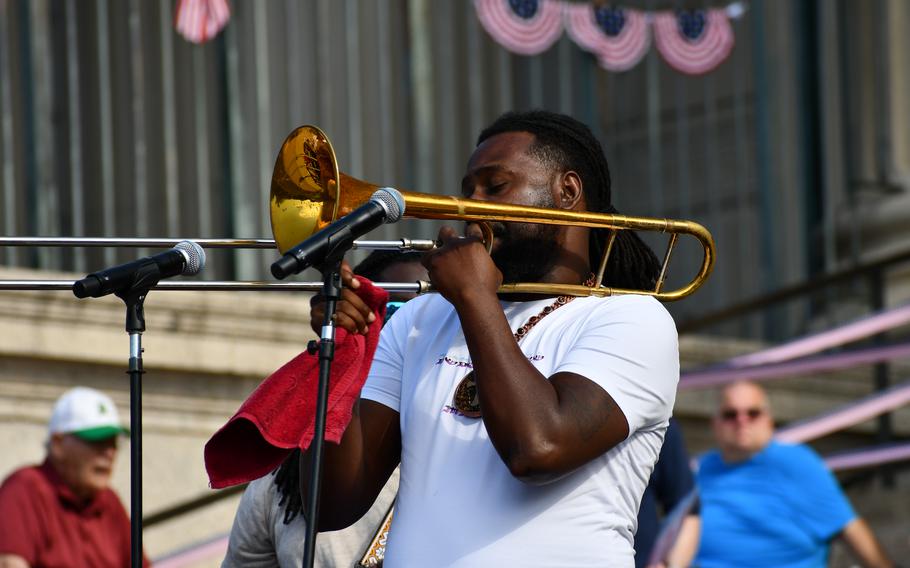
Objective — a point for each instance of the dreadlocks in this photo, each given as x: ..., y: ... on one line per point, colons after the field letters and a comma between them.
x: 566, y: 144
x: 287, y: 475
x: 287, y: 478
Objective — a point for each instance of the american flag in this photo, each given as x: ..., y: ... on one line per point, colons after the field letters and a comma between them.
x: 200, y: 20
x: 526, y: 27
x: 619, y: 37
x: 693, y: 42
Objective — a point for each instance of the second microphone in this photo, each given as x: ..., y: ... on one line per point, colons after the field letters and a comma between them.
x: 187, y: 258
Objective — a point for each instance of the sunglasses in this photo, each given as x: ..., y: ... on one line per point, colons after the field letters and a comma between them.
x: 391, y: 308
x: 731, y: 414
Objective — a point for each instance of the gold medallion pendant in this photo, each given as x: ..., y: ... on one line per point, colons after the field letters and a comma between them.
x: 465, y: 399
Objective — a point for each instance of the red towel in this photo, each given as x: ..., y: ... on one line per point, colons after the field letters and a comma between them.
x: 280, y: 414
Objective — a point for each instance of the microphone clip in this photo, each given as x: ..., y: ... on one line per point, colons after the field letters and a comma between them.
x: 146, y: 277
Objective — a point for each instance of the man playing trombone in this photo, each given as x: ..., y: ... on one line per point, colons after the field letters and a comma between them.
x: 526, y: 426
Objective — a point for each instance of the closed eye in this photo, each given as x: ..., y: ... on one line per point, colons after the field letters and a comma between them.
x: 483, y: 191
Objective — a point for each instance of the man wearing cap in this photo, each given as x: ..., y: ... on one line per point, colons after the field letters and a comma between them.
x: 63, y: 513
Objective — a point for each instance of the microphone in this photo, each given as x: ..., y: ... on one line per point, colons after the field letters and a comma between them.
x: 185, y: 258
x: 386, y: 205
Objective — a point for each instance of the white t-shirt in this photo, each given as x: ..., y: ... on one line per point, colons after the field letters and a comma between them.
x: 458, y: 504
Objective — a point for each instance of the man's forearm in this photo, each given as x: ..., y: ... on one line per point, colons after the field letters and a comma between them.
x: 686, y: 546
x: 516, y: 400
x: 503, y: 372
x: 862, y: 542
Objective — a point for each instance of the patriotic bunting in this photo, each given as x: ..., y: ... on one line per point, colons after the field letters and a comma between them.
x: 618, y: 37
x: 692, y: 42
x: 526, y: 27
x: 200, y: 20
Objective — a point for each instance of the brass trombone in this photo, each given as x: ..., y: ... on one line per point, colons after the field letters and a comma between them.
x: 308, y: 192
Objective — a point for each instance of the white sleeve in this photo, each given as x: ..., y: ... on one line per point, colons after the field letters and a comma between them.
x: 629, y: 346
x: 383, y: 383
x: 251, y: 543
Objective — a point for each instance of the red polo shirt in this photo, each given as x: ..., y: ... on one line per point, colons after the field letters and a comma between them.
x: 41, y: 521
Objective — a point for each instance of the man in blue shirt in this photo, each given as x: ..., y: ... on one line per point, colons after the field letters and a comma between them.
x: 765, y: 503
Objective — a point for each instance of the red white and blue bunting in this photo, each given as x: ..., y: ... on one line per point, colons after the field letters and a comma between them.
x: 526, y: 27
x: 200, y: 20
x: 692, y: 42
x: 618, y: 37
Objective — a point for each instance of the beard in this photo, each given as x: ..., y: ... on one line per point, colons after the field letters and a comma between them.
x: 525, y: 252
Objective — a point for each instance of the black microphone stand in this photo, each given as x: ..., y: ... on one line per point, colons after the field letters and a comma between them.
x: 134, y: 298
x: 331, y: 290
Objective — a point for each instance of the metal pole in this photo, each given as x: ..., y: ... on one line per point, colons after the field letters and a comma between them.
x: 135, y: 325
x: 332, y: 293
x: 135, y: 372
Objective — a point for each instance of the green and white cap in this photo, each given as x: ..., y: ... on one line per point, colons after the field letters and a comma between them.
x: 86, y: 413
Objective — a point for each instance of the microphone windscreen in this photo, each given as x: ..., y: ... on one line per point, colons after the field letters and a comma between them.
x: 392, y: 201
x: 195, y: 257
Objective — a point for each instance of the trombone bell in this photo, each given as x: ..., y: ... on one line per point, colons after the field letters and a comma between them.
x: 304, y: 187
